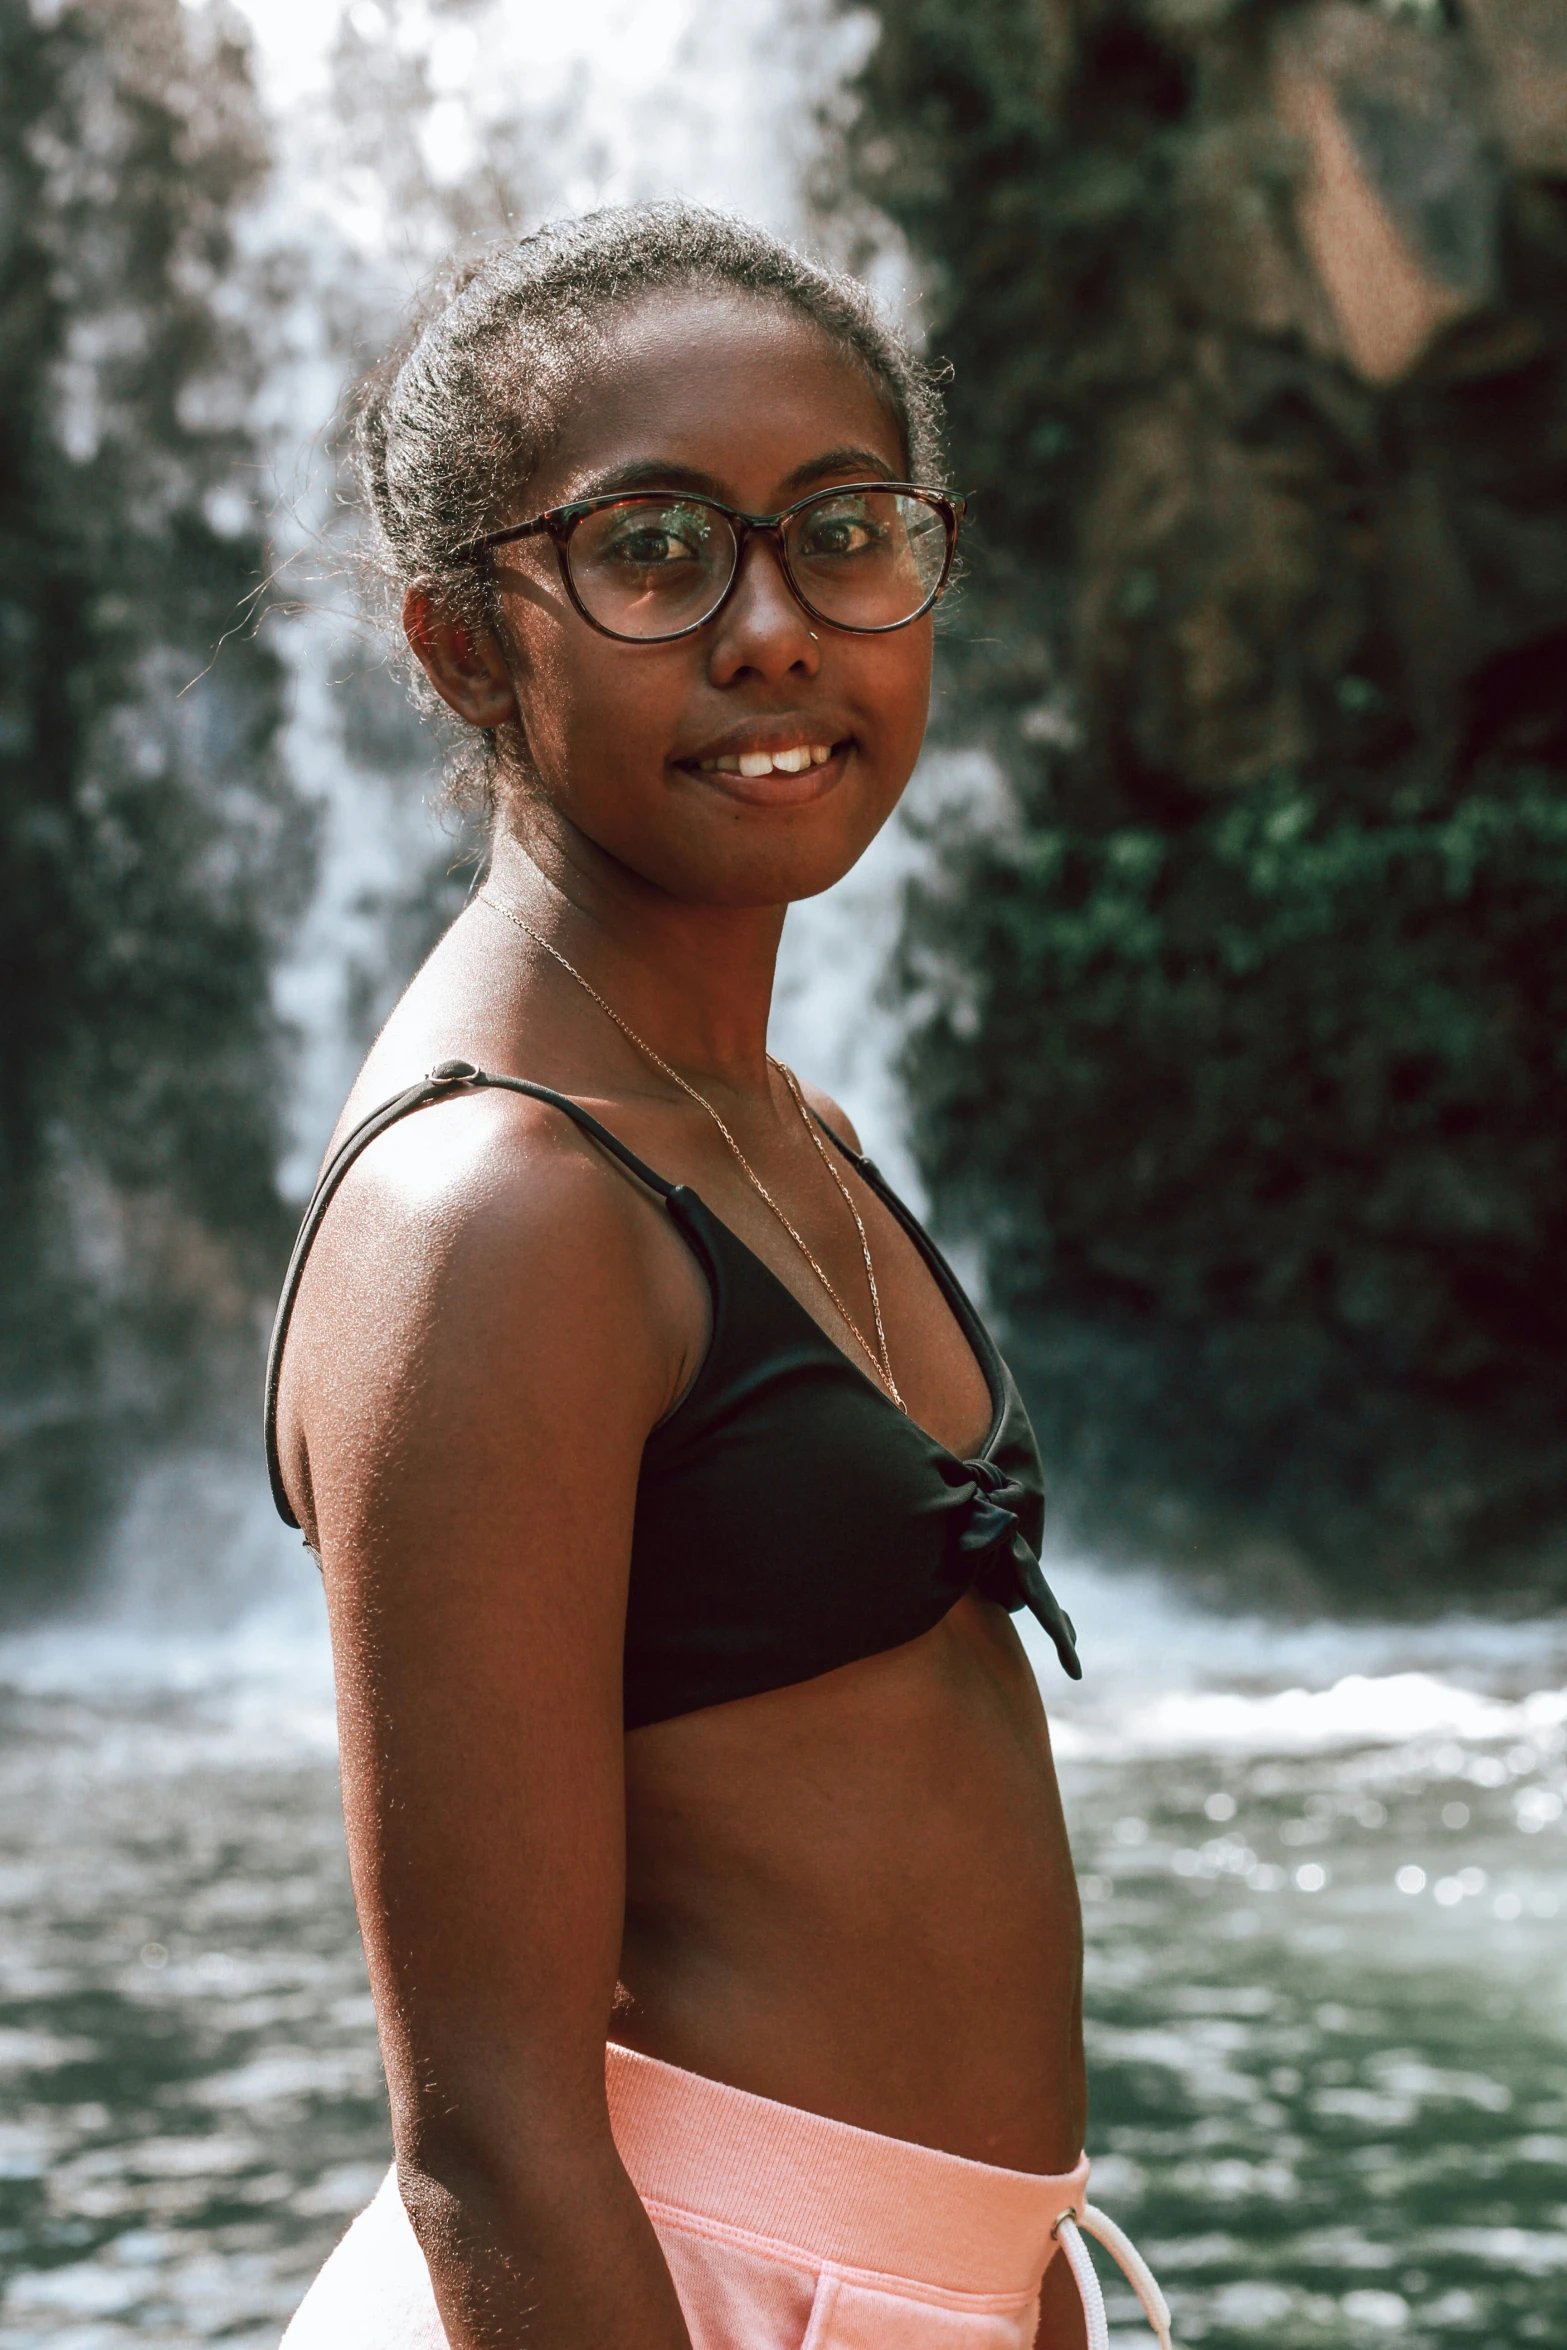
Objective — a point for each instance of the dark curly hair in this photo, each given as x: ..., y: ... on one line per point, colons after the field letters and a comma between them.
x: 454, y: 423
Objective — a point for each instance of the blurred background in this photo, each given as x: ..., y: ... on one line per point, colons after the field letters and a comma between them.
x: 1210, y: 993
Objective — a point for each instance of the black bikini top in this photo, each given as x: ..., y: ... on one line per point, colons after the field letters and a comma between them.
x: 789, y: 1518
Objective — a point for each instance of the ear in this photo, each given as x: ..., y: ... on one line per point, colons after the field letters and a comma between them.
x: 466, y: 666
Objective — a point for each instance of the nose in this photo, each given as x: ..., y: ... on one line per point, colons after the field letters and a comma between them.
x: 763, y: 630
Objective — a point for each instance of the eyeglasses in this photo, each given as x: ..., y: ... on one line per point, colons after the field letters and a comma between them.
x: 653, y: 565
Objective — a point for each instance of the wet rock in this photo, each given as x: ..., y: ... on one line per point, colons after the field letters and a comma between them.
x: 1524, y: 46
x: 1242, y: 1061
x: 1398, y: 197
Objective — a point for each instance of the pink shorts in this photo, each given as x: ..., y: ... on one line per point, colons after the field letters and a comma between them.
x: 782, y: 2230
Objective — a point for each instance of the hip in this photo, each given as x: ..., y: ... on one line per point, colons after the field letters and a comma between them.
x: 782, y: 2230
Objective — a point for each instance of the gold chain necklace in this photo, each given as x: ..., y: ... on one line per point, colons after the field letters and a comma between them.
x: 876, y: 1356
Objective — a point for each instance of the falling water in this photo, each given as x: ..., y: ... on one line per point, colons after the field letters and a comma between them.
x: 1322, y: 1866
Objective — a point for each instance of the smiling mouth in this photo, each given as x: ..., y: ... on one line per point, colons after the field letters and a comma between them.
x: 796, y: 760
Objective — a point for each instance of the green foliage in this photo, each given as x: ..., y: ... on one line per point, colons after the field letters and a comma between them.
x: 151, y: 853
x: 1265, y: 1125
x: 1239, y: 1043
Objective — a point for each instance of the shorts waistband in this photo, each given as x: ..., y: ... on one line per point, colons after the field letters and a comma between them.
x: 829, y: 2190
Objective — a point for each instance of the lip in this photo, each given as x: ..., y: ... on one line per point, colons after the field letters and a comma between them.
x: 783, y: 733
x: 776, y: 790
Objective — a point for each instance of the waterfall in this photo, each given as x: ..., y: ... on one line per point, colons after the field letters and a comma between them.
x: 402, y: 133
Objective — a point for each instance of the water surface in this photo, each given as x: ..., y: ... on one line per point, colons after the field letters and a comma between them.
x: 1326, y: 2008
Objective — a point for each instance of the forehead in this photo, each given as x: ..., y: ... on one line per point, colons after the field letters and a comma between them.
x: 735, y: 387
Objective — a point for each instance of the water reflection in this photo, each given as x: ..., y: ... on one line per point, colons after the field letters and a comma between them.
x: 1321, y: 1877
x: 1326, y: 2030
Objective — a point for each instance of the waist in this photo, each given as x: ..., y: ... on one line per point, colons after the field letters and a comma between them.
x: 856, y: 1896
x: 749, y: 2166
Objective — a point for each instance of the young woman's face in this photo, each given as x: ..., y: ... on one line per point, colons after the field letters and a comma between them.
x: 747, y: 402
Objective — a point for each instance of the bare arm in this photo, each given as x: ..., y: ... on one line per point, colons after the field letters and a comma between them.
x: 480, y: 1357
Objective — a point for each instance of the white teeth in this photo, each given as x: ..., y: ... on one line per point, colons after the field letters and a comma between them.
x: 794, y: 762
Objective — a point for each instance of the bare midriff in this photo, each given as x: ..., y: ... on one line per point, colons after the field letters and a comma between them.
x: 856, y: 1896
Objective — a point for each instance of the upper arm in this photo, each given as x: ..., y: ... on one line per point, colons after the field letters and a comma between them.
x: 479, y: 1359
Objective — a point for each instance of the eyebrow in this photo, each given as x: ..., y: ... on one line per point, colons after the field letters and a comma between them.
x: 862, y: 461
x: 654, y: 473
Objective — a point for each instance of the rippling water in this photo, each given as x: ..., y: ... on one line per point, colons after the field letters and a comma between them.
x: 1323, y: 1876
x: 1326, y: 2006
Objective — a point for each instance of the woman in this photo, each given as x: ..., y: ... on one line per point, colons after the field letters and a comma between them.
x: 670, y: 1499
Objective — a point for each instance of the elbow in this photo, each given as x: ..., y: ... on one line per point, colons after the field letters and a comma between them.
x: 478, y: 2230
x: 469, y: 2180
x: 512, y: 2230
x: 445, y: 2208
x: 457, y: 2181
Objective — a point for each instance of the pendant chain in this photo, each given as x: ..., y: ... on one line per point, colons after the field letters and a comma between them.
x: 876, y: 1355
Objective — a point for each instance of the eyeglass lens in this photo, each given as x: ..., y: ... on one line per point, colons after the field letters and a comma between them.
x: 652, y: 566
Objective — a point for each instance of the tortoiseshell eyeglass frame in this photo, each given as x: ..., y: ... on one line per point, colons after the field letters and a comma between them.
x: 559, y: 522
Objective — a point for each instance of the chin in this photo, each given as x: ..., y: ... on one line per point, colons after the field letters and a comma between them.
x: 748, y: 865
x: 772, y: 880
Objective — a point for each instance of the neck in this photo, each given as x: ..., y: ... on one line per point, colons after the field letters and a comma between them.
x: 694, y: 981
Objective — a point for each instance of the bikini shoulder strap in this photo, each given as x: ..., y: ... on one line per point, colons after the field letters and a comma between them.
x: 447, y: 1080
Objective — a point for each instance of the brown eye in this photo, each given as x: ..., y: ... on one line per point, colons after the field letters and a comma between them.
x: 838, y: 532
x: 651, y: 545
x: 651, y: 567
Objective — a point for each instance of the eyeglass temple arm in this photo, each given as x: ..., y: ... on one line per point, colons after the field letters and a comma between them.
x: 501, y: 538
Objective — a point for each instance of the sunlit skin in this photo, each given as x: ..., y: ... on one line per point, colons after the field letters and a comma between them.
x: 853, y: 1895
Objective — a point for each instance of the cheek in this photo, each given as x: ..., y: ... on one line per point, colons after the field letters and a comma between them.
x: 894, y: 689
x: 590, y: 706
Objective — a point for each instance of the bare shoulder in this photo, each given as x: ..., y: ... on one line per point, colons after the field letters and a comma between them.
x: 484, y: 1267
x: 832, y: 1113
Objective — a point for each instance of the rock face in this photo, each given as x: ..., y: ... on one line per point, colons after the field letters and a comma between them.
x: 1396, y: 201
x: 1523, y: 43
x: 1242, y: 1063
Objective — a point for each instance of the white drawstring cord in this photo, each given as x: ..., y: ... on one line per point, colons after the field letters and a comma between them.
x: 1087, y: 2283
x: 1127, y: 2258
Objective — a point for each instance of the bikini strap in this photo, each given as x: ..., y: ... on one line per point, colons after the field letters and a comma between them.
x: 445, y: 1081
